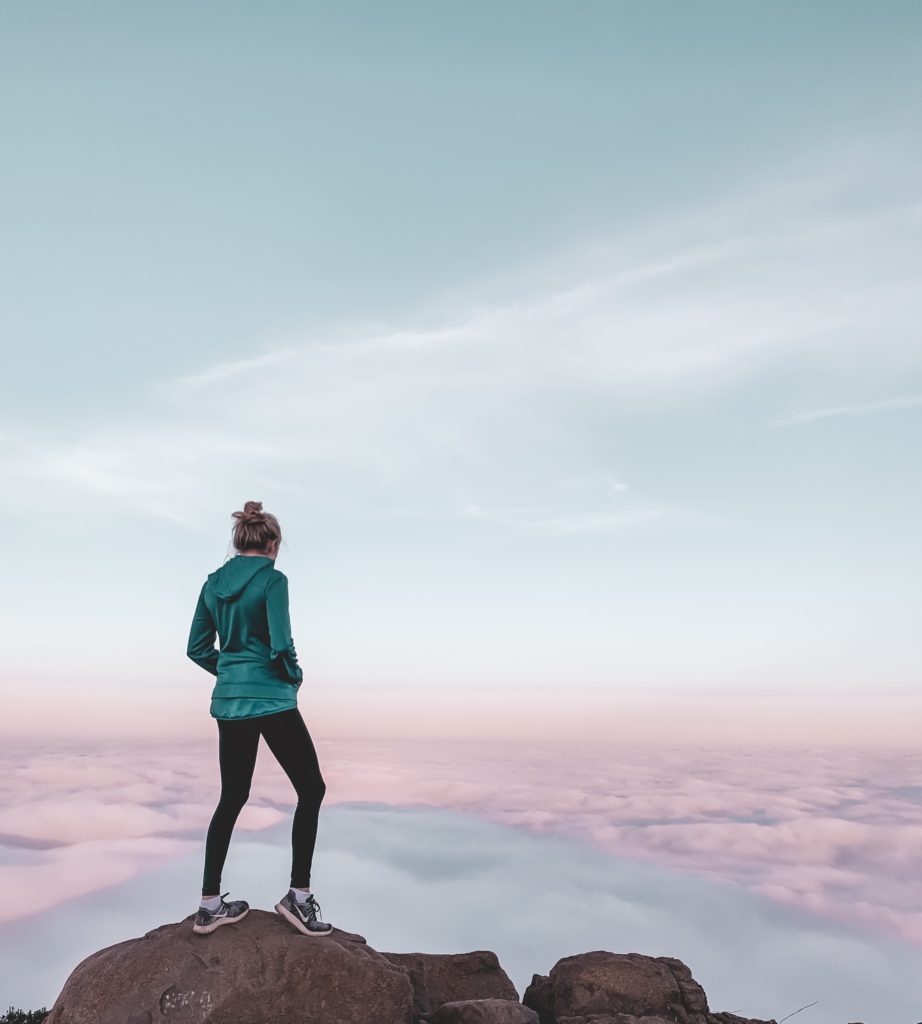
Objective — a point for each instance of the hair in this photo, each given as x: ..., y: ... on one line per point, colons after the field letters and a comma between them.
x: 255, y: 530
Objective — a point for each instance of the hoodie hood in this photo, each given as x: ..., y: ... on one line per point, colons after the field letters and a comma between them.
x: 229, y: 581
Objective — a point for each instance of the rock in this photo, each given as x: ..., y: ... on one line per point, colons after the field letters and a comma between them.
x: 483, y: 1011
x: 259, y: 971
x: 600, y: 987
x: 604, y: 983
x: 255, y: 971
x: 439, y: 978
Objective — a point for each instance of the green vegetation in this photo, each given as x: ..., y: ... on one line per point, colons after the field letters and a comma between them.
x: 14, y: 1016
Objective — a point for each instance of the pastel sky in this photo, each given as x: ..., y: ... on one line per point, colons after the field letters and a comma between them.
x: 576, y: 348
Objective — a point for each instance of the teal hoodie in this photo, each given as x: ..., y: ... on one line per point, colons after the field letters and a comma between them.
x: 245, y: 604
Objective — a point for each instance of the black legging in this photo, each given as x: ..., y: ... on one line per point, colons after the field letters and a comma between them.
x: 290, y: 742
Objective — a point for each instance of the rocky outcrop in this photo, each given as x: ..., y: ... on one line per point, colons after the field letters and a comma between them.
x: 439, y: 978
x: 259, y: 971
x: 621, y: 988
x: 253, y: 971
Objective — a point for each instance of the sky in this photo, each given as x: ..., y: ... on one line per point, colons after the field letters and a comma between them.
x: 576, y: 348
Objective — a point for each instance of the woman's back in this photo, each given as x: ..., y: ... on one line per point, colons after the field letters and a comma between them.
x: 244, y: 604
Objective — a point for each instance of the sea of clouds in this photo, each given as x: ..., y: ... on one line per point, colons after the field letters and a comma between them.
x: 780, y: 877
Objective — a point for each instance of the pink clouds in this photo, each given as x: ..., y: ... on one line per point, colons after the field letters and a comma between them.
x: 84, y: 867
x: 834, y: 832
x: 831, y: 831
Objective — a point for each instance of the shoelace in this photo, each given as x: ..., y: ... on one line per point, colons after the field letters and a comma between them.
x: 311, y: 906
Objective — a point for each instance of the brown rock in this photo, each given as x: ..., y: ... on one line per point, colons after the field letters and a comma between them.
x: 604, y: 983
x: 259, y: 971
x: 483, y: 1011
x: 622, y: 988
x: 251, y: 972
x: 439, y: 978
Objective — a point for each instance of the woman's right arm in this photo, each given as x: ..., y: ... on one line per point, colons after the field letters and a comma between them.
x: 282, y: 648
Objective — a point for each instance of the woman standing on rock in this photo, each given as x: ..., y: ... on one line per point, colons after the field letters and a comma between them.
x: 245, y: 604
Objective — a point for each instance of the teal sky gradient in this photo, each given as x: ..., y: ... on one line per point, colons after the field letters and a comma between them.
x: 576, y: 346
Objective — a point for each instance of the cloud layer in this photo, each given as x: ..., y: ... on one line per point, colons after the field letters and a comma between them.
x: 829, y: 832
x: 442, y: 881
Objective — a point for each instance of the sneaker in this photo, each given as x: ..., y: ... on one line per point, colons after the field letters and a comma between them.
x: 303, y: 916
x: 228, y: 913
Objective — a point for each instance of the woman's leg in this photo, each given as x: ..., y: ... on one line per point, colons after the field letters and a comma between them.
x: 237, y: 744
x: 288, y: 739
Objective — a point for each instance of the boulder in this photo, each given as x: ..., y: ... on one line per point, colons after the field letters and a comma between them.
x: 439, y: 978
x: 483, y: 1011
x: 603, y: 983
x: 251, y: 972
x: 600, y: 987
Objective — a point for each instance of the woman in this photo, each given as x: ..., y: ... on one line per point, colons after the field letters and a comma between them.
x: 245, y: 603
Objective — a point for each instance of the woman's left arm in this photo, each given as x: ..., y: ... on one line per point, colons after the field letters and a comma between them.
x: 201, y: 648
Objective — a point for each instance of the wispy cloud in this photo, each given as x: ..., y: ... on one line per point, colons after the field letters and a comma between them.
x: 576, y: 522
x: 857, y: 409
x: 674, y: 312
x: 103, y: 471
x: 224, y: 371
x: 546, y: 521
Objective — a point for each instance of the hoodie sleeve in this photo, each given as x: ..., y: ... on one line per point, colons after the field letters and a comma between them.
x: 282, y: 649
x: 201, y: 648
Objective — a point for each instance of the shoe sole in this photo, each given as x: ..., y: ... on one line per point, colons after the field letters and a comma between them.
x: 206, y: 929
x: 295, y: 923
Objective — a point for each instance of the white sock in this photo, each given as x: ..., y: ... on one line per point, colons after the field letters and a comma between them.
x: 299, y: 895
x: 213, y: 904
